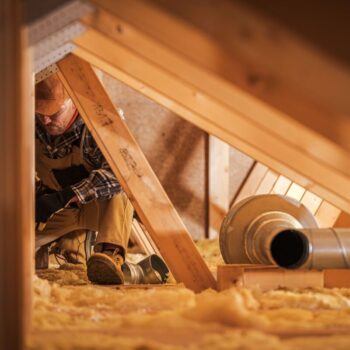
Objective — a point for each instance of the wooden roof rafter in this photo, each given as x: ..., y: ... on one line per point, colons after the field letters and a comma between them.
x: 135, y: 174
x: 142, y: 46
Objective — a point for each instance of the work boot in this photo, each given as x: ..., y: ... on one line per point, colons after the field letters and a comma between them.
x: 70, y: 248
x: 105, y: 267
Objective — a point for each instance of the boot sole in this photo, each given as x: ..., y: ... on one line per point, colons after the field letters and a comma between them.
x: 101, y: 269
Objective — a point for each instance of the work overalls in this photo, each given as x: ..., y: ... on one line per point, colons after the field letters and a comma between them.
x: 112, y: 218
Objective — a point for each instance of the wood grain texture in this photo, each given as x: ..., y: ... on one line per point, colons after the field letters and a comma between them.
x: 135, y: 175
x: 16, y: 179
x: 233, y: 127
x: 264, y: 94
x: 327, y: 214
x: 219, y: 181
x: 267, y: 277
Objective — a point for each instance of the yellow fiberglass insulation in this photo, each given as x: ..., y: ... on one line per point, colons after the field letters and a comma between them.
x: 70, y: 313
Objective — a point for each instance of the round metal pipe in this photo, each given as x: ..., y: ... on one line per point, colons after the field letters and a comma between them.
x: 251, y: 232
x: 328, y: 248
x: 271, y: 229
x: 151, y: 270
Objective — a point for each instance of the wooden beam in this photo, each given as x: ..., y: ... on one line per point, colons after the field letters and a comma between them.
x: 218, y: 168
x: 337, y: 278
x: 142, y: 238
x: 222, y: 121
x: 327, y: 214
x: 343, y: 220
x: 135, y: 174
x: 16, y: 179
x: 267, y: 183
x: 311, y: 201
x: 252, y: 182
x: 295, y: 191
x: 258, y: 56
x: 281, y: 186
x: 265, y: 277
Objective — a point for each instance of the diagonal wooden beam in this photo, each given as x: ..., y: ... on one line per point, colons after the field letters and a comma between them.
x: 242, y: 47
x: 135, y: 174
x: 191, y: 103
x: 242, y: 101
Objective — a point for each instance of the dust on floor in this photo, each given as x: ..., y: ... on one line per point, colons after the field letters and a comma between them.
x: 70, y: 313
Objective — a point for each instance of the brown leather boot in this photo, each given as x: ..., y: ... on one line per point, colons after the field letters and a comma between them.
x: 105, y: 267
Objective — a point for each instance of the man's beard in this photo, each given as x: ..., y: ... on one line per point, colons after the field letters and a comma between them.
x: 55, y: 129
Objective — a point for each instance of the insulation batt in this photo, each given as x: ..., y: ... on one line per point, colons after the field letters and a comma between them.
x: 70, y: 313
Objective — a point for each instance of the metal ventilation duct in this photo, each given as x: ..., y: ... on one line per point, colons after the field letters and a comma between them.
x: 272, y: 229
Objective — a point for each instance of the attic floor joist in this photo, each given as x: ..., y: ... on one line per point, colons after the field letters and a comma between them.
x: 135, y: 174
x: 178, y: 83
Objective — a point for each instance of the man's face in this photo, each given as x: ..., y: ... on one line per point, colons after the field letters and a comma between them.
x: 56, y: 124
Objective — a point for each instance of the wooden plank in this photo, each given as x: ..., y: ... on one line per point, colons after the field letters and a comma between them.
x: 337, y: 278
x: 327, y: 214
x: 218, y: 174
x: 129, y: 17
x: 343, y: 220
x: 266, y: 277
x: 142, y: 239
x: 311, y: 201
x: 252, y: 182
x: 135, y: 175
x: 295, y: 191
x: 16, y: 179
x: 218, y: 119
x: 250, y: 57
x: 281, y: 186
x: 267, y: 183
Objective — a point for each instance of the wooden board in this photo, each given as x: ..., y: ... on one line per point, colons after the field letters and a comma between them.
x: 295, y: 191
x: 218, y: 173
x: 234, y: 128
x: 16, y: 179
x: 343, y: 220
x: 259, y: 56
x: 311, y: 201
x: 252, y: 182
x: 135, y: 175
x: 266, y: 277
x: 174, y: 57
x: 142, y: 238
x: 327, y: 214
x: 337, y: 278
x: 267, y: 183
x: 281, y: 186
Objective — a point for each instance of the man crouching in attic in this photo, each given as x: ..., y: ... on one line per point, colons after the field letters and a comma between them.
x: 78, y: 190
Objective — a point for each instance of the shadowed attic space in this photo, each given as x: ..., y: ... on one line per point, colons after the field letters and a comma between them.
x: 177, y: 152
x: 236, y: 111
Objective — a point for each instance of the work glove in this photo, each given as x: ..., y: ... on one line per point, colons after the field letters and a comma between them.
x: 70, y: 176
x: 48, y: 204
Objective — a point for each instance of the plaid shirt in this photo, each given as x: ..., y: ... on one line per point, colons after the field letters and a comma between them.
x: 101, y: 183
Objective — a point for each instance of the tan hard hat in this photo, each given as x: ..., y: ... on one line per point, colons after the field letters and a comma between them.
x: 50, y: 95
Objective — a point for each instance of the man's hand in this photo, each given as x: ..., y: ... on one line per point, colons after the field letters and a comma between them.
x: 48, y: 204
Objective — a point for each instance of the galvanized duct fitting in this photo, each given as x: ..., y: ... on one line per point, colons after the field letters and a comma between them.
x: 151, y: 270
x: 272, y: 229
